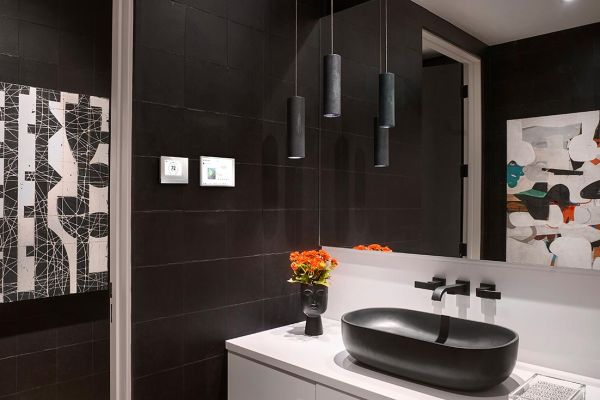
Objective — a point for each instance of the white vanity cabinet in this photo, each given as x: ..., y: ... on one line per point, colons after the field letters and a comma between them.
x: 249, y: 380
x: 325, y: 393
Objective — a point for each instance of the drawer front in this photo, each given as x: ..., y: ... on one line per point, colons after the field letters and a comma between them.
x: 248, y: 380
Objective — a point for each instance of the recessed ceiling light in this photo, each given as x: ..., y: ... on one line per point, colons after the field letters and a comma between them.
x: 568, y: 1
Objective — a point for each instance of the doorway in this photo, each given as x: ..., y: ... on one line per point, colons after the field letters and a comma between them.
x: 453, y: 63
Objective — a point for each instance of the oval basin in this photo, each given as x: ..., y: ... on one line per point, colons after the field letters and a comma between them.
x: 438, y: 350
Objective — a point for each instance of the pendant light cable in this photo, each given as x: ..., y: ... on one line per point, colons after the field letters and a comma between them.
x: 296, y: 54
x: 380, y: 63
x: 386, y: 35
x: 331, y: 26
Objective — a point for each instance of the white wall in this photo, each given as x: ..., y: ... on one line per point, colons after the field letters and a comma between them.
x: 556, y: 312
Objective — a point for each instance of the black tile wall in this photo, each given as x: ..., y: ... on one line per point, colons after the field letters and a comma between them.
x: 524, y: 79
x: 212, y: 78
x: 56, y: 348
x: 359, y: 203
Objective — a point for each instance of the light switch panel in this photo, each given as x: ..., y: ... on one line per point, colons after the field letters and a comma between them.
x: 217, y: 171
x: 173, y: 170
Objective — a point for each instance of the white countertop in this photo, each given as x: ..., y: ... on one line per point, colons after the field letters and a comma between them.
x: 324, y: 360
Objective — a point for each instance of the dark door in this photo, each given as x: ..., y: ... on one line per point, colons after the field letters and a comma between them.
x: 442, y: 146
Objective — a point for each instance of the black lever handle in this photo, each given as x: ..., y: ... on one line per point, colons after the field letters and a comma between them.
x: 488, y: 291
x: 431, y: 285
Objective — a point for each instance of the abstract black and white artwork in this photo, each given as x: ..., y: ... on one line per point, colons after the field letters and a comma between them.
x: 553, y: 190
x: 54, y: 172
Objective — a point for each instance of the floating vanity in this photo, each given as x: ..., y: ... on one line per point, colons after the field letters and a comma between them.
x: 284, y: 364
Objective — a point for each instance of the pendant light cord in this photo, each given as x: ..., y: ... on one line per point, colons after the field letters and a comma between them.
x: 296, y: 53
x: 380, y: 63
x: 386, y: 36
x: 331, y: 26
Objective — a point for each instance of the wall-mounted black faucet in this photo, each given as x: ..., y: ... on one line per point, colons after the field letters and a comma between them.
x: 433, y: 284
x: 462, y: 288
x: 439, y: 287
x: 488, y: 291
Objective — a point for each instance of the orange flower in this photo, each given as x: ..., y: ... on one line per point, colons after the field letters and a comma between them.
x: 312, y: 267
x: 373, y: 247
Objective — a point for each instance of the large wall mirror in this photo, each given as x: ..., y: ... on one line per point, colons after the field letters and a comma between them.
x: 495, y: 154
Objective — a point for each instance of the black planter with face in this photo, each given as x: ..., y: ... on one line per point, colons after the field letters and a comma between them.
x: 314, y: 303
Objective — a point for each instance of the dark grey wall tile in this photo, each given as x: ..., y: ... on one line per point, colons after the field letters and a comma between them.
x: 74, y: 361
x: 158, y: 76
x: 158, y: 345
x: 165, y: 385
x: 9, y: 36
x: 9, y: 68
x: 39, y: 11
x: 36, y: 369
x: 248, y: 283
x: 80, y: 389
x: 205, y: 37
x: 205, y: 334
x: 38, y: 42
x: 157, y: 292
x: 160, y: 25
x: 205, y: 285
x: 206, y: 379
x: 246, y: 47
x: 8, y: 375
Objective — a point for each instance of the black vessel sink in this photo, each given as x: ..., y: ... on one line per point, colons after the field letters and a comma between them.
x: 438, y: 350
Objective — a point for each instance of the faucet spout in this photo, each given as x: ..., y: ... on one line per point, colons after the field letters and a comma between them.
x: 460, y: 287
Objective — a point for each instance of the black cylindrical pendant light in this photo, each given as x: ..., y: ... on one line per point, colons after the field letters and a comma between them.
x: 296, y: 112
x: 295, y: 124
x: 332, y: 81
x: 387, y: 111
x: 381, y: 155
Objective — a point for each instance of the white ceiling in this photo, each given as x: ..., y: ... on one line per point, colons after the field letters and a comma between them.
x: 500, y: 21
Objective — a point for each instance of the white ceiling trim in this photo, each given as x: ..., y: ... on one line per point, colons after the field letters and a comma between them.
x: 500, y: 21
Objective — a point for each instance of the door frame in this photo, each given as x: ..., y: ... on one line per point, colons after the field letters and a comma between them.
x: 472, y: 139
x: 120, y: 199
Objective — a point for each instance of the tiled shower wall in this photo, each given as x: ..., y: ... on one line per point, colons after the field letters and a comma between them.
x: 212, y: 78
x: 56, y: 348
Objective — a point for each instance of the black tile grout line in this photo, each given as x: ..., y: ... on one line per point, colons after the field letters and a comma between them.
x: 249, y: 210
x: 56, y: 383
x: 55, y: 348
x: 224, y: 307
x: 179, y: 366
x: 220, y: 113
x: 188, y: 108
x: 242, y: 163
x: 212, y: 260
x: 228, y: 18
x: 196, y: 60
x: 262, y: 119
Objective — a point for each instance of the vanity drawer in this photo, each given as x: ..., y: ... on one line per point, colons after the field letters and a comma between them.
x: 248, y: 380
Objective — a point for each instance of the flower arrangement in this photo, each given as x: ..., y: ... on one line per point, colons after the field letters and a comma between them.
x: 312, y: 267
x: 373, y: 247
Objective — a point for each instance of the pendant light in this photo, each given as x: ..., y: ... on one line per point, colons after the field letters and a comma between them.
x: 387, y: 112
x: 332, y: 80
x: 381, y: 155
x: 381, y: 135
x: 296, y: 111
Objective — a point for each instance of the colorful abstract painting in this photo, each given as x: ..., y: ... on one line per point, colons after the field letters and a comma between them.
x: 54, y: 176
x: 553, y: 190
